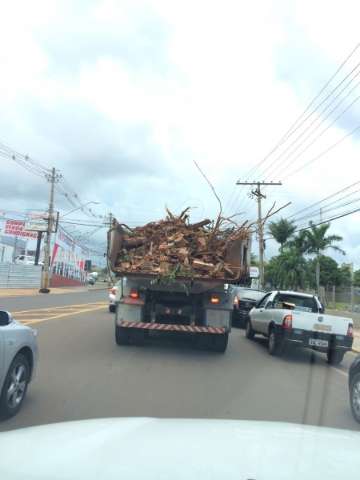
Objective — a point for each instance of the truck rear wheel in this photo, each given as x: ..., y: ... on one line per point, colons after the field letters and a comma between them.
x: 335, y: 357
x: 122, y: 336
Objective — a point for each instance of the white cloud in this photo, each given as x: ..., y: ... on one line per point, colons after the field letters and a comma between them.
x: 174, y: 81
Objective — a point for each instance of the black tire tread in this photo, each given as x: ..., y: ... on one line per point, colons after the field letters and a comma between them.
x: 5, y: 412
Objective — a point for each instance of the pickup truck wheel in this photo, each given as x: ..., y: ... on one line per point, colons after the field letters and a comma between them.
x: 335, y: 357
x: 275, y: 345
x: 122, y: 336
x: 15, y: 387
x: 249, y: 332
x: 355, y: 397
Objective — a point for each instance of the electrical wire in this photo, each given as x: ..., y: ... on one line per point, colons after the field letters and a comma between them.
x: 291, y: 130
x: 300, y: 121
x: 325, y: 199
x: 322, y: 121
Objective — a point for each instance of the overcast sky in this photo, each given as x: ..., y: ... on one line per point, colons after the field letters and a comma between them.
x: 122, y: 96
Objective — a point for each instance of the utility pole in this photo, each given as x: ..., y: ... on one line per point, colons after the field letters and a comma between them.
x: 52, y: 178
x: 259, y: 196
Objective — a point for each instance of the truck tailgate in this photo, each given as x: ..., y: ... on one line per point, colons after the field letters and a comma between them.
x: 320, y: 322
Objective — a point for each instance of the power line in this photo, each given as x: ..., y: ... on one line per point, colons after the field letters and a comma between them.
x: 300, y: 121
x: 328, y: 220
x: 327, y: 210
x: 322, y: 154
x: 322, y: 121
x: 324, y: 199
x: 322, y: 132
x: 290, y: 131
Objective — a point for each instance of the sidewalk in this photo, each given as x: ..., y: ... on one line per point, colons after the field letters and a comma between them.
x: 30, y: 292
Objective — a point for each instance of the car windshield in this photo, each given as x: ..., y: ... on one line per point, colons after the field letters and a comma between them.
x: 180, y: 236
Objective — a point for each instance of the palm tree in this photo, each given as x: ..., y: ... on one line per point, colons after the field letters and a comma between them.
x: 282, y: 231
x: 299, y: 243
x: 317, y: 243
x: 288, y: 270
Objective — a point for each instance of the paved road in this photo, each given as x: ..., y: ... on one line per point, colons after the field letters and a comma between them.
x: 49, y: 300
x: 83, y: 374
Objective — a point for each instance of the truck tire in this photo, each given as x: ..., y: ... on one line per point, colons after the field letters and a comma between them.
x: 249, y: 332
x: 355, y: 397
x: 335, y: 357
x: 220, y: 343
x: 122, y: 336
x: 15, y: 387
x: 275, y: 344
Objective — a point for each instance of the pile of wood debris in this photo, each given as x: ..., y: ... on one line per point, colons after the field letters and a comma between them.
x: 175, y: 247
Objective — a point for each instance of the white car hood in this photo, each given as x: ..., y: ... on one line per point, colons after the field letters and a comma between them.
x: 152, y: 449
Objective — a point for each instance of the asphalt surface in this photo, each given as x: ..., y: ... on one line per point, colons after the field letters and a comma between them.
x: 53, y: 300
x: 83, y: 374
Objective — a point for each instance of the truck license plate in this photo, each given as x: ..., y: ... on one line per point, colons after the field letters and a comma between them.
x: 316, y: 342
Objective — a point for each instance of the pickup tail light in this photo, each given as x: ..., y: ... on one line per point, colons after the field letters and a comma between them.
x: 134, y: 294
x: 350, y: 331
x: 287, y: 322
x: 236, y: 301
x: 215, y: 299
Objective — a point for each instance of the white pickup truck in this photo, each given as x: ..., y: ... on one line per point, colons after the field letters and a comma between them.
x: 298, y: 319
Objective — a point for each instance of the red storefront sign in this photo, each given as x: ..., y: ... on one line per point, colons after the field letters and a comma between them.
x: 16, y: 228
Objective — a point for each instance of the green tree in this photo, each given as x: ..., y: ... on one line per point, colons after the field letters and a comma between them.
x: 254, y: 260
x: 344, y: 275
x: 357, y: 278
x: 287, y: 270
x: 330, y: 273
x: 282, y: 231
x: 299, y: 243
x: 317, y: 243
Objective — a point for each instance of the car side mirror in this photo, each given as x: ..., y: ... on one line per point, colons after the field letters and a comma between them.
x: 5, y: 318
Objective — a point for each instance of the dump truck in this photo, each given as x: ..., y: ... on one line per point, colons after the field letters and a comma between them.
x: 173, y: 278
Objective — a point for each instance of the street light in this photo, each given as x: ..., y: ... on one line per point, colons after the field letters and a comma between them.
x: 79, y: 208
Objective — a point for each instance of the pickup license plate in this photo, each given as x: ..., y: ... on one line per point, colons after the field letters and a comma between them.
x: 317, y: 342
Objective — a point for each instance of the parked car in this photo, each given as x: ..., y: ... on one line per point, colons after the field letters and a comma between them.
x: 26, y: 260
x: 18, y: 359
x: 297, y: 319
x: 112, y: 297
x: 244, y: 300
x: 354, y: 388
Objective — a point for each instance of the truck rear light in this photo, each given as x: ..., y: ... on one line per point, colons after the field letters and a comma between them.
x: 236, y: 301
x: 134, y: 294
x: 350, y: 331
x: 287, y: 322
x: 215, y: 299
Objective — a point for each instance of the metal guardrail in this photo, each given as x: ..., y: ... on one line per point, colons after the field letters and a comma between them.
x: 19, y: 276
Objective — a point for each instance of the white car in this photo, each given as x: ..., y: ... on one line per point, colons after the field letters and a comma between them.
x: 26, y: 260
x: 18, y: 360
x: 297, y: 319
x: 180, y: 449
x: 112, y: 299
